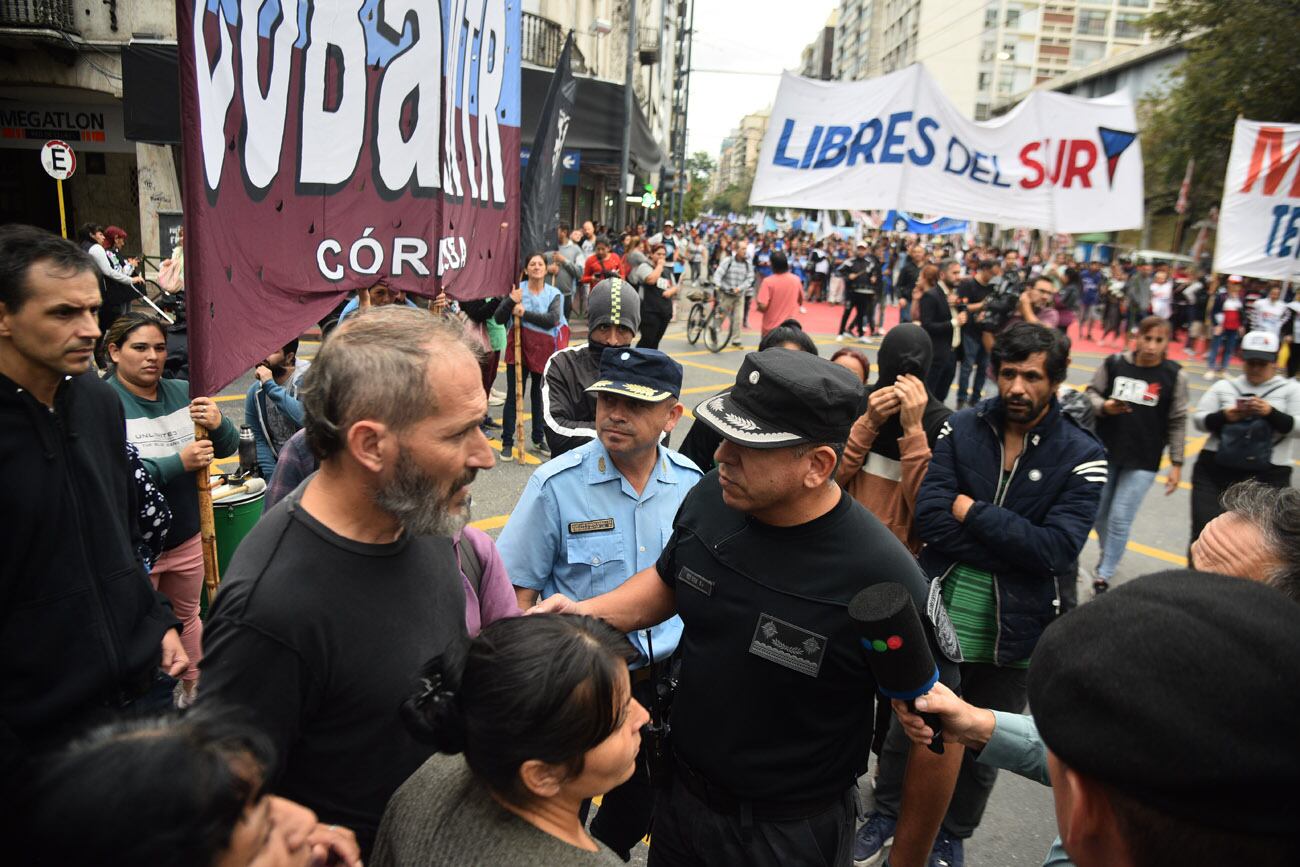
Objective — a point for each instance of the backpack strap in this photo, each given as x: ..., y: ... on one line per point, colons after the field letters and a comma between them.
x: 470, y: 563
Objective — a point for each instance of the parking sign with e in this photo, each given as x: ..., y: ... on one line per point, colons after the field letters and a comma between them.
x: 58, y: 160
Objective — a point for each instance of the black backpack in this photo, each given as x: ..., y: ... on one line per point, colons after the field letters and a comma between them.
x: 1246, y: 444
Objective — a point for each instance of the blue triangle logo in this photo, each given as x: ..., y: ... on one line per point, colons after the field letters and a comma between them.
x: 1113, y: 143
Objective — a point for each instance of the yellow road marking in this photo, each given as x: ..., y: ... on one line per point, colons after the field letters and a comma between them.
x: 700, y: 389
x: 492, y: 523
x: 711, y: 367
x: 1147, y: 550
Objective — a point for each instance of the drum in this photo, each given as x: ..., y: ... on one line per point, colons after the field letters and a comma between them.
x: 234, y: 517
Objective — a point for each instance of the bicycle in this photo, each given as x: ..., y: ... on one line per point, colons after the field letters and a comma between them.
x: 701, y: 309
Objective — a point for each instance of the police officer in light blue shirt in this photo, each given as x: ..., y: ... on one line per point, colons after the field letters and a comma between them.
x: 593, y: 517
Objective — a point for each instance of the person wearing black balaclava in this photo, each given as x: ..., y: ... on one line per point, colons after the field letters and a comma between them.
x: 888, y: 450
x: 568, y: 411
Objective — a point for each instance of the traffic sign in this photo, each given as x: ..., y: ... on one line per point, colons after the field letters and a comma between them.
x: 58, y: 159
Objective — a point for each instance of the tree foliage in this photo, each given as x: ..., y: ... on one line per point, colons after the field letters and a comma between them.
x: 1242, y: 61
x: 699, y: 166
x: 735, y: 198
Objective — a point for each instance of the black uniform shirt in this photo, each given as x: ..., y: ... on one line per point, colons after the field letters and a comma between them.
x: 775, y: 699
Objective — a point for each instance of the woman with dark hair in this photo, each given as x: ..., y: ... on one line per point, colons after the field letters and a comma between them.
x: 540, y: 306
x: 702, y: 441
x: 173, y: 792
x: 160, y: 419
x: 653, y: 278
x: 854, y: 360
x: 536, y: 719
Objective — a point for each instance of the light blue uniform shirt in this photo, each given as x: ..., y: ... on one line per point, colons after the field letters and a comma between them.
x: 582, y: 530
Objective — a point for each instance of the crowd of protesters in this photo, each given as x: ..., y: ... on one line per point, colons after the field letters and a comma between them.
x: 363, y: 685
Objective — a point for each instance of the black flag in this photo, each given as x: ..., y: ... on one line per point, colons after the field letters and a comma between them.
x: 539, y: 206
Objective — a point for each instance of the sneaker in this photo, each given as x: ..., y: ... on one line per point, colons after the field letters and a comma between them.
x: 496, y: 401
x: 839, y: 338
x: 490, y: 423
x: 871, y: 840
x: 507, y: 454
x: 1209, y: 375
x: 736, y: 344
x: 864, y: 339
x: 846, y: 334
x: 182, y: 699
x: 542, y: 448
x: 1099, y: 586
x: 498, y: 394
x: 947, y: 851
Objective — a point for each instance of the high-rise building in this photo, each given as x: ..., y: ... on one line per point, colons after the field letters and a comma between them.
x: 739, y: 153
x: 1024, y: 44
x: 942, y: 34
x: 818, y: 59
x: 857, y: 40
x: 981, y: 52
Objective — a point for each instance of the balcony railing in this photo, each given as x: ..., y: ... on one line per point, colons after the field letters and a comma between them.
x: 52, y: 14
x: 543, y: 40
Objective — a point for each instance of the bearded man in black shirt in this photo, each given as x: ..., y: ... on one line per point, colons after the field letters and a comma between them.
x: 349, y: 585
x: 772, y: 720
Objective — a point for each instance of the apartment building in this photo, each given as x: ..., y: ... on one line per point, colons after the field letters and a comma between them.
x: 818, y: 59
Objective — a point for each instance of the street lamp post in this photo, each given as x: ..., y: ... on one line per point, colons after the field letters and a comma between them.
x: 625, y: 158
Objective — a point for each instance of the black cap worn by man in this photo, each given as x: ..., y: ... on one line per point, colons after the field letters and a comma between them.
x: 1179, y: 691
x: 641, y: 374
x: 568, y: 410
x: 786, y: 398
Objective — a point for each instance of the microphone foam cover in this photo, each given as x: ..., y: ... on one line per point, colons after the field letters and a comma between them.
x: 894, y: 640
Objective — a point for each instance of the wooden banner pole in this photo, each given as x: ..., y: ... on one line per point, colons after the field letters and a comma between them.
x: 207, y: 525
x: 520, y: 451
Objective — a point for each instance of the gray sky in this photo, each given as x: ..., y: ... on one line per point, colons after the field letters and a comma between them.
x: 754, y: 36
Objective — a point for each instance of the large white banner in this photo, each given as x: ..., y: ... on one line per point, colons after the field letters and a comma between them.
x: 1054, y: 162
x: 1259, y: 222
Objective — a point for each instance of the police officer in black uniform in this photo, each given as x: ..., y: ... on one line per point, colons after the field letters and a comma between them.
x: 772, y: 720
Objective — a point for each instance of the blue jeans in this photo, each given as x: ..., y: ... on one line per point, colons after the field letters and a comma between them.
x: 1119, y: 504
x: 972, y: 355
x: 1226, y: 339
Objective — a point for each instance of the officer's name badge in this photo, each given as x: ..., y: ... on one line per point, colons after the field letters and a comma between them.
x: 579, y: 527
x: 699, y: 582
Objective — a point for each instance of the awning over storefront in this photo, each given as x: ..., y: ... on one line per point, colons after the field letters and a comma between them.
x: 151, y: 107
x: 597, y: 127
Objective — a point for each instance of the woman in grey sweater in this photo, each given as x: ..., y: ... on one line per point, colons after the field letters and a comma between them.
x: 537, y: 718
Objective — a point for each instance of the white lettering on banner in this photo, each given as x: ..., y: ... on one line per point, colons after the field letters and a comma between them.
x: 332, y: 137
x: 416, y: 156
x: 264, y: 114
x: 366, y: 256
x: 467, y: 72
x: 1054, y: 162
x: 216, y: 90
x: 1259, y: 220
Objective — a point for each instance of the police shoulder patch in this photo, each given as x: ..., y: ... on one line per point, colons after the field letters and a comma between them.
x: 944, y: 633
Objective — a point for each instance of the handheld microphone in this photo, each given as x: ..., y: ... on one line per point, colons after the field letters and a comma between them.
x: 897, y: 649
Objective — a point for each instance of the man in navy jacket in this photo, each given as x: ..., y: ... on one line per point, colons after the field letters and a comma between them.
x: 1010, y: 495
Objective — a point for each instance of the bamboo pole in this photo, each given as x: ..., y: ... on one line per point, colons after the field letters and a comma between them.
x: 207, y: 525
x: 520, y: 451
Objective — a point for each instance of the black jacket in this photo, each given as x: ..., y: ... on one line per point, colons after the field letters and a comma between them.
x: 936, y: 319
x: 80, y: 625
x: 1028, y: 536
x: 568, y: 410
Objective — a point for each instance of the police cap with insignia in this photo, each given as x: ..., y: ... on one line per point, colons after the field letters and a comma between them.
x: 785, y: 398
x: 1180, y: 689
x: 641, y: 374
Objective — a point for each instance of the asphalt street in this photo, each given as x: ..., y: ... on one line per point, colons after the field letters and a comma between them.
x: 1019, y: 825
